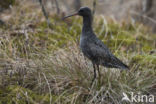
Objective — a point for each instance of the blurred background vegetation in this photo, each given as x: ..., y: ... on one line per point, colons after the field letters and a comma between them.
x: 40, y: 59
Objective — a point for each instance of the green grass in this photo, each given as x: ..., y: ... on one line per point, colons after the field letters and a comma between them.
x: 42, y: 65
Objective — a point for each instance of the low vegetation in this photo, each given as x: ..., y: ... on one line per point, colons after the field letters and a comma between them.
x: 41, y: 65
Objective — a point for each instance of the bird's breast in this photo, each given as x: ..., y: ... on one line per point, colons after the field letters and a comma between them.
x: 83, y: 42
x: 84, y: 46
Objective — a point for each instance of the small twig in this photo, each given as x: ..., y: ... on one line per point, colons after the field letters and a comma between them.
x: 26, y: 37
x: 77, y: 4
x: 94, y: 6
x: 66, y: 4
x: 57, y: 7
x: 144, y: 16
x: 48, y: 87
x: 146, y: 5
x: 45, y: 13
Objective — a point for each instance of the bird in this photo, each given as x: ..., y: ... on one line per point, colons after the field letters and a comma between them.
x: 93, y: 48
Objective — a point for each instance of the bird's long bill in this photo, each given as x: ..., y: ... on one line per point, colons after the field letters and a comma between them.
x: 70, y: 15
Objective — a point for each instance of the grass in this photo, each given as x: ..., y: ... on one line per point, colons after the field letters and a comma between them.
x: 39, y: 65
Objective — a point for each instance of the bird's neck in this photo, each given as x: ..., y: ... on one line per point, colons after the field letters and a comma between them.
x: 87, y: 24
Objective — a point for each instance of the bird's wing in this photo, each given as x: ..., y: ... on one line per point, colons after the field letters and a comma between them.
x: 99, y: 50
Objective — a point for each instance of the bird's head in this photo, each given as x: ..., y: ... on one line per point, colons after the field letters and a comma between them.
x: 83, y: 11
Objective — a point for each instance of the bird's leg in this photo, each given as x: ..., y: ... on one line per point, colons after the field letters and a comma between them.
x: 98, y: 71
x: 99, y: 74
x: 94, y: 74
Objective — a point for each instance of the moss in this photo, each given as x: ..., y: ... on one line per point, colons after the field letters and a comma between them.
x: 145, y: 60
x: 16, y: 94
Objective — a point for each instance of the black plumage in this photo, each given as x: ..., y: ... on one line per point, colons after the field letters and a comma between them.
x: 93, y: 48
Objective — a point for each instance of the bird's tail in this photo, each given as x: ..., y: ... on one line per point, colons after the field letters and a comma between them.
x: 123, y: 66
x: 119, y: 64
